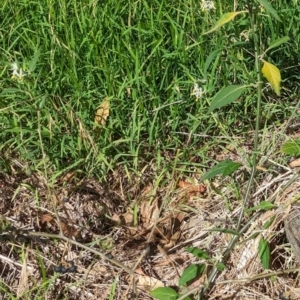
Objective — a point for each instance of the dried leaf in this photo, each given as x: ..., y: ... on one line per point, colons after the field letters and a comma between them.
x: 116, y: 218
x: 128, y: 218
x: 173, y: 240
x: 46, y: 218
x: 147, y: 191
x: 102, y: 112
x: 67, y: 177
x: 193, y: 189
x: 295, y: 163
x: 68, y: 230
x: 149, y: 212
x: 146, y: 282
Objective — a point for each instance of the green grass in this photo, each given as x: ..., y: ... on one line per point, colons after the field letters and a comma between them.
x: 146, y: 56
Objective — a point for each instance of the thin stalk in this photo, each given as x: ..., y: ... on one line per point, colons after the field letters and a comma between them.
x: 100, y: 254
x: 258, y: 111
x: 212, y: 276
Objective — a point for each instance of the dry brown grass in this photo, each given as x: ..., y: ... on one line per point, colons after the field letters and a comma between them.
x: 100, y: 216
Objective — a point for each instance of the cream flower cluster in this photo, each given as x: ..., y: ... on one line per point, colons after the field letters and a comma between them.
x: 17, y: 73
x: 207, y: 5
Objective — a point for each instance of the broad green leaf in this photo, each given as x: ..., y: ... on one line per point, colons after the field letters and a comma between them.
x: 264, y: 253
x: 224, y: 19
x: 225, y: 96
x: 223, y: 168
x: 263, y: 205
x: 32, y: 64
x: 272, y: 74
x: 197, y: 252
x: 269, y: 8
x: 164, y: 293
x: 291, y: 147
x: 230, y: 167
x: 191, y: 272
x: 224, y: 230
x: 278, y: 42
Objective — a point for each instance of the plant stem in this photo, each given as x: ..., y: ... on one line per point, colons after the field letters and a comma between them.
x: 213, y: 274
x: 258, y: 110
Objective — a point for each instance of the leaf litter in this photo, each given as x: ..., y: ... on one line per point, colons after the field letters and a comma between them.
x: 150, y: 234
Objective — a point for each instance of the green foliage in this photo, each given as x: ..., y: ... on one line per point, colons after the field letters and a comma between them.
x: 278, y: 42
x: 224, y: 168
x: 291, y: 147
x: 146, y: 58
x: 265, y: 205
x: 164, y: 293
x: 225, y: 96
x: 191, y: 272
x: 198, y: 253
x: 220, y: 267
x: 42, y: 268
x: 264, y: 253
x: 230, y: 93
x: 269, y: 8
x: 4, y: 291
x: 224, y: 230
x: 226, y: 18
x: 268, y: 223
x: 113, y: 289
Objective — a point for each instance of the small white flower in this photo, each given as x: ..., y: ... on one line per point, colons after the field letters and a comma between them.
x: 14, y: 74
x: 14, y: 66
x: 17, y: 73
x: 197, y: 91
x: 207, y: 5
x: 21, y: 74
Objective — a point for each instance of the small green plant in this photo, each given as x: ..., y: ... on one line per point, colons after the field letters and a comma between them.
x: 291, y: 147
x: 191, y: 272
x: 255, y: 10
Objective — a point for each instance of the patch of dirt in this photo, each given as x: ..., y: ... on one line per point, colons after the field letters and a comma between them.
x: 142, y: 227
x: 128, y: 223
